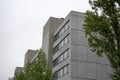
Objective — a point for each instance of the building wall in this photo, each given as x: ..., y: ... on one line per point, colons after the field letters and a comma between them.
x: 82, y: 64
x: 18, y: 70
x: 47, y: 42
x: 11, y: 78
x: 66, y: 46
x: 29, y: 55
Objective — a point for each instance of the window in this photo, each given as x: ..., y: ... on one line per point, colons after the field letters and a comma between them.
x: 57, y: 74
x: 60, y: 33
x: 68, y: 37
x: 56, y: 36
x: 56, y: 48
x: 67, y: 27
x: 66, y: 40
x: 55, y: 62
x: 61, y: 72
x: 64, y: 70
x: 65, y: 54
x: 62, y: 43
x: 61, y: 58
x: 62, y: 30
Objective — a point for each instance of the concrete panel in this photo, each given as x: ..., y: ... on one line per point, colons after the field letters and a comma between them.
x: 101, y: 72
x: 81, y: 53
x: 85, y: 41
x: 91, y: 70
x: 74, y: 22
x: 74, y: 68
x: 74, y: 51
x: 91, y: 57
x: 109, y: 70
x: 78, y: 37
x: 74, y: 37
x: 81, y: 69
x: 65, y: 77
x: 80, y: 22
x: 78, y: 78
x: 77, y: 20
x: 78, y: 52
x: 102, y: 60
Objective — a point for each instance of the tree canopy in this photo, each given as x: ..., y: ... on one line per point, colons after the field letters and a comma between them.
x: 102, y: 28
x: 36, y: 70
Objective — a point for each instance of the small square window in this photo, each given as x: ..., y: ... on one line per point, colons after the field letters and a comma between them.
x: 61, y: 58
x: 56, y: 36
x: 66, y: 26
x: 56, y: 48
x: 62, y: 31
x: 65, y: 55
x: 66, y: 40
x: 65, y: 70
x: 62, y: 43
x: 58, y: 74
x: 68, y: 37
x: 61, y: 72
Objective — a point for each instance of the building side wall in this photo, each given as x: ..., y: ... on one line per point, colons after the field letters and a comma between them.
x: 29, y: 56
x: 48, y: 37
x: 82, y: 63
x: 18, y: 70
x: 85, y: 65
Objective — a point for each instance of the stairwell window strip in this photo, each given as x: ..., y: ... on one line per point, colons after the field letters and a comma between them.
x: 62, y: 30
x: 61, y: 72
x: 62, y: 43
x: 61, y: 58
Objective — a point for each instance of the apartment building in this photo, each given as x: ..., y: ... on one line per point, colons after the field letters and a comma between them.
x: 29, y: 55
x: 18, y: 70
x: 11, y: 78
x: 68, y: 53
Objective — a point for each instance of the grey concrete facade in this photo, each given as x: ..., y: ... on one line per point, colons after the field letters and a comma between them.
x: 69, y: 55
x: 18, y: 70
x: 29, y: 55
x: 47, y: 42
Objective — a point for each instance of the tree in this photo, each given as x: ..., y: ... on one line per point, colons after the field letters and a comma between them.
x: 20, y: 76
x: 37, y: 70
x: 102, y: 28
x: 40, y: 68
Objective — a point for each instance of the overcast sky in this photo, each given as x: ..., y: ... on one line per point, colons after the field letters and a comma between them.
x: 21, y: 25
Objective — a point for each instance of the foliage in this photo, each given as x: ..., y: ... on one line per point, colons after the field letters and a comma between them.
x: 37, y: 70
x: 102, y: 28
x: 20, y: 76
